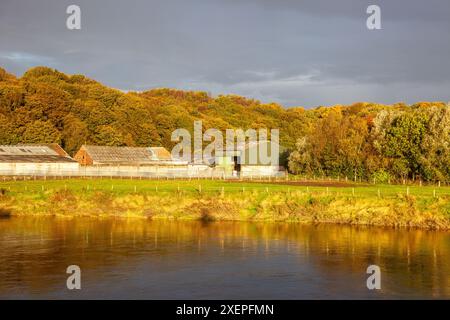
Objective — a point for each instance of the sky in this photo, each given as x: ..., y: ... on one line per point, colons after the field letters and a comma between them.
x: 293, y: 52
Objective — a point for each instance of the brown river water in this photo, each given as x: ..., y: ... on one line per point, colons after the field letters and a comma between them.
x: 143, y: 259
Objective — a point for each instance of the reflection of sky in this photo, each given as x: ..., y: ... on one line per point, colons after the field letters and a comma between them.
x: 142, y: 259
x: 308, y: 53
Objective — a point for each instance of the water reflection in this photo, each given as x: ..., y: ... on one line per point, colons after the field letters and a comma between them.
x: 168, y: 259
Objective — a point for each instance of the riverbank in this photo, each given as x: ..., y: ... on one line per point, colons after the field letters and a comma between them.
x: 391, y: 206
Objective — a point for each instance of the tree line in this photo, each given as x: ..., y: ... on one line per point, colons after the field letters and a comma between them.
x: 363, y: 140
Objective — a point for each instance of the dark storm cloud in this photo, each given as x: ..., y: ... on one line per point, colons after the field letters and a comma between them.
x: 290, y: 51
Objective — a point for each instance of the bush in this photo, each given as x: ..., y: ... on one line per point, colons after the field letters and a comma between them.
x: 381, y: 176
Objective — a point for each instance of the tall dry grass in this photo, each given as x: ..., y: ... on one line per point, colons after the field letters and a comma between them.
x: 400, y: 211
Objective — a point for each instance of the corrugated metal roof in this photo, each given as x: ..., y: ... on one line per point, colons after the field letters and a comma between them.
x: 107, y: 154
x: 161, y: 153
x: 34, y: 159
x: 37, y: 153
x: 27, y: 150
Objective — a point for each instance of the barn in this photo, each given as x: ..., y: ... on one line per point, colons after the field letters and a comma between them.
x: 247, y: 162
x: 127, y: 156
x: 35, y: 159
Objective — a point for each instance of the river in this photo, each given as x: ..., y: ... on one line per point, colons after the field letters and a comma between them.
x: 144, y: 259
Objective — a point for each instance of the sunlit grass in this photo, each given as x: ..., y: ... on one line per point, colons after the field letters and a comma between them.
x: 381, y: 205
x: 121, y: 186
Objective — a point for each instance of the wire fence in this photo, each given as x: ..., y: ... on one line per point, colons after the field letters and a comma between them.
x: 217, y: 187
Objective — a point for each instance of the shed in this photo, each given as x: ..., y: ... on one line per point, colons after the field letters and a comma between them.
x: 129, y: 156
x: 247, y: 160
x: 35, y: 159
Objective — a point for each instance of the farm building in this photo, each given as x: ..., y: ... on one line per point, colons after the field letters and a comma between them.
x: 40, y: 159
x: 248, y: 161
x: 129, y: 161
x: 52, y: 160
x: 129, y: 156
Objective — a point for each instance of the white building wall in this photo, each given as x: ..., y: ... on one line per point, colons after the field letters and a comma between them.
x: 254, y: 170
x: 38, y: 169
x: 161, y: 171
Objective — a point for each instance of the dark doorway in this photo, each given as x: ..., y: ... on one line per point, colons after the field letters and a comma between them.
x: 237, y: 164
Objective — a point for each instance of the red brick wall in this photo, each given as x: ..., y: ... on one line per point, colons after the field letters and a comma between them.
x: 83, y: 158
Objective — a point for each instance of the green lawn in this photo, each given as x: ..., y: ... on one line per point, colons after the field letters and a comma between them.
x: 121, y: 186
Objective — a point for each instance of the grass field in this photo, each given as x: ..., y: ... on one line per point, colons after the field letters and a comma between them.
x: 312, y: 202
x: 123, y: 186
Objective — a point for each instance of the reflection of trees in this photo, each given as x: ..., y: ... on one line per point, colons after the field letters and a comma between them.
x: 417, y: 261
x: 34, y: 252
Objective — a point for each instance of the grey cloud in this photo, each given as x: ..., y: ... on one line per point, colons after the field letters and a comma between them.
x: 293, y: 52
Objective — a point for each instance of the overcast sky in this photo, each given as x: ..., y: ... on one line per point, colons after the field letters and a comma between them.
x: 294, y: 52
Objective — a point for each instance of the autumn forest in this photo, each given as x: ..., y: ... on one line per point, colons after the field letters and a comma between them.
x: 358, y: 141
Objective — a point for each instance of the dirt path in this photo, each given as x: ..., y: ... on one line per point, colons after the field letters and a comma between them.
x: 310, y: 183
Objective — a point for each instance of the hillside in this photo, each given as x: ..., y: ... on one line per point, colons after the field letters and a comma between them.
x: 363, y: 140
